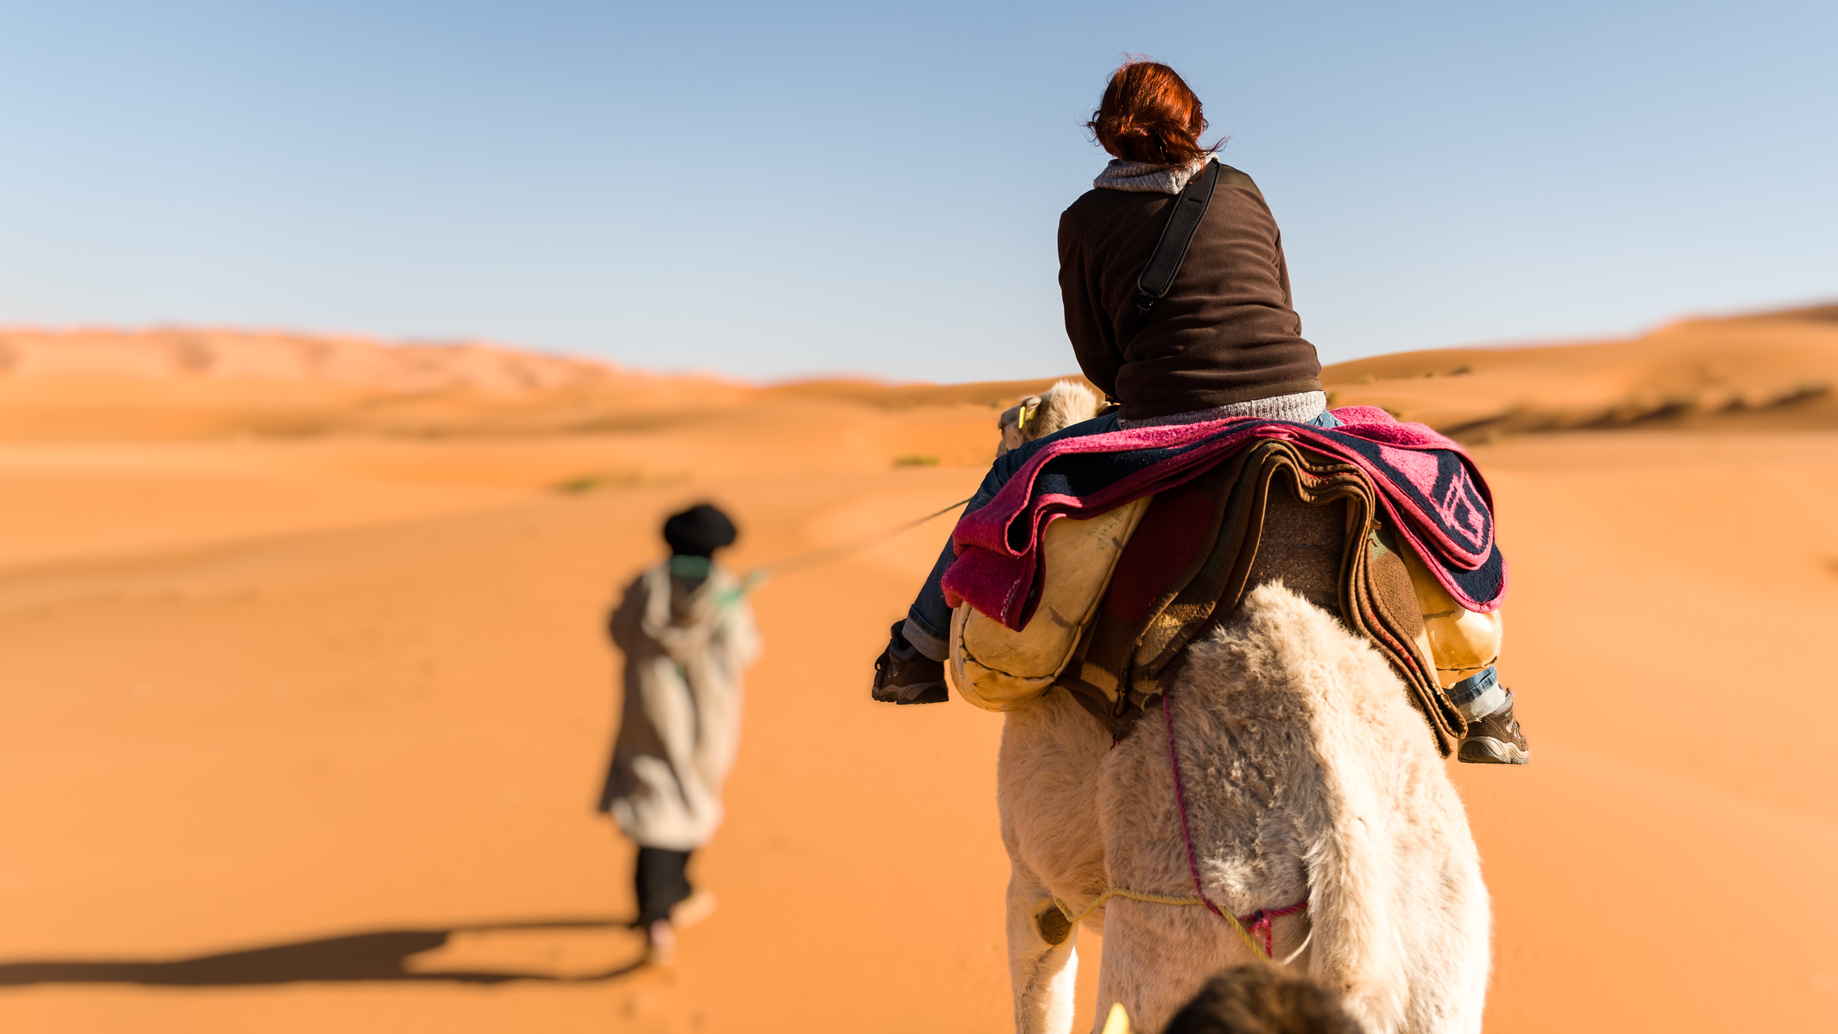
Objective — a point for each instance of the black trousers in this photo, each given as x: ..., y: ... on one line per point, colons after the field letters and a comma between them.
x: 662, y: 879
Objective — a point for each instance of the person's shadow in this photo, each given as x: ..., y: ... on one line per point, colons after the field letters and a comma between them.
x: 376, y: 956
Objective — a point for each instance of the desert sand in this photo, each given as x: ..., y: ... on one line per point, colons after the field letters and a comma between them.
x: 305, y: 700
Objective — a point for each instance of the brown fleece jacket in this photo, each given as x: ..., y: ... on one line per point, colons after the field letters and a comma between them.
x: 1224, y: 332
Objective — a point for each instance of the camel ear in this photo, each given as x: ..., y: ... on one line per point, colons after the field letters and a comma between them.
x: 1118, y: 1022
x: 1014, y: 422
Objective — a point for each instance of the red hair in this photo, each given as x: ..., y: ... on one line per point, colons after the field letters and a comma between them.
x: 1149, y: 114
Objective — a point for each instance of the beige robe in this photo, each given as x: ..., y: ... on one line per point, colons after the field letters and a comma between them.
x: 680, y: 724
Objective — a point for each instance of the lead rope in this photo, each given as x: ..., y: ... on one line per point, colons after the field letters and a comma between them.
x: 823, y: 556
x: 757, y: 577
x: 1258, y: 920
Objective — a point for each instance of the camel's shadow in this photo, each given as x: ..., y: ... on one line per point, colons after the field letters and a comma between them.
x: 382, y: 955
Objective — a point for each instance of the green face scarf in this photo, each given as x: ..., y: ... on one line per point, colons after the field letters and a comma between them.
x: 689, y: 566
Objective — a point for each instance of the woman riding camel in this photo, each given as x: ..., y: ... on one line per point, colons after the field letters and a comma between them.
x: 1222, y: 342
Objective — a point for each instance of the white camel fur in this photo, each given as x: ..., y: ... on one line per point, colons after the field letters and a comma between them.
x: 1306, y: 773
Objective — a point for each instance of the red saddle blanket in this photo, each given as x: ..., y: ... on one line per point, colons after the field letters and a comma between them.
x: 1431, y: 495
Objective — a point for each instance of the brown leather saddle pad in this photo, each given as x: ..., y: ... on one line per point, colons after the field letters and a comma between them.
x: 1276, y: 511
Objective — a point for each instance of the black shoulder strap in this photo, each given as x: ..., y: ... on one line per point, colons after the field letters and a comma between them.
x: 1170, y: 249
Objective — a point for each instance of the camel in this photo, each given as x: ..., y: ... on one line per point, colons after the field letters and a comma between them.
x: 1306, y: 776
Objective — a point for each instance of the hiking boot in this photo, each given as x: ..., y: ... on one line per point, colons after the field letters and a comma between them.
x: 903, y: 675
x: 1496, y: 739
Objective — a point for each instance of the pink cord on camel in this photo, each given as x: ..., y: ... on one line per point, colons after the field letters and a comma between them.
x: 1180, y: 804
x: 1258, y: 921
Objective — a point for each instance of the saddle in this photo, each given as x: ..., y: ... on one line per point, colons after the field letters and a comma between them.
x: 1128, y: 590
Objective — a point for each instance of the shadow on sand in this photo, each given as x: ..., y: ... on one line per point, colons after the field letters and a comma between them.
x: 378, y: 956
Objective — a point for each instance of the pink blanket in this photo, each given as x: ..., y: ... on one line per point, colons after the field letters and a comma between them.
x: 1429, y: 488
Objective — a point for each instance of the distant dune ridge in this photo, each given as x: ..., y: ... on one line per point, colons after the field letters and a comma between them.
x: 1769, y: 370
x: 207, y: 383
x: 1772, y: 369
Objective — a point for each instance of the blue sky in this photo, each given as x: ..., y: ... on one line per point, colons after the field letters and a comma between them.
x: 779, y: 190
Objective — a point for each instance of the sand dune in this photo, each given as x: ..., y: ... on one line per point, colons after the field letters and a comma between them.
x: 208, y: 383
x: 302, y: 733
x: 1769, y: 371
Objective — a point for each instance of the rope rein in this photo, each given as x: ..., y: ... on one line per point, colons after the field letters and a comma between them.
x: 1259, y: 920
x: 1075, y: 918
x: 758, y: 576
x: 817, y: 557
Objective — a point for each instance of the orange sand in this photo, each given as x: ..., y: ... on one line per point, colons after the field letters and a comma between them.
x: 259, y: 693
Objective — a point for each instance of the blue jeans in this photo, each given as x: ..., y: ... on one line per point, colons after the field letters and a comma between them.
x: 928, y: 620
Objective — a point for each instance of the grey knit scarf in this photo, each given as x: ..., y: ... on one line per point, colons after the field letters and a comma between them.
x: 1301, y: 407
x: 1148, y: 177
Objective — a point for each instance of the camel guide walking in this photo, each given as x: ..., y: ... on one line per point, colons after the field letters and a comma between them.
x: 687, y: 633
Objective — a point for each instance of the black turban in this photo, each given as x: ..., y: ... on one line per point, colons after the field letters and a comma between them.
x: 698, y: 531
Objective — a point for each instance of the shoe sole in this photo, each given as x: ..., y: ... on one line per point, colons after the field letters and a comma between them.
x: 925, y: 693
x: 930, y: 693
x: 1485, y: 750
